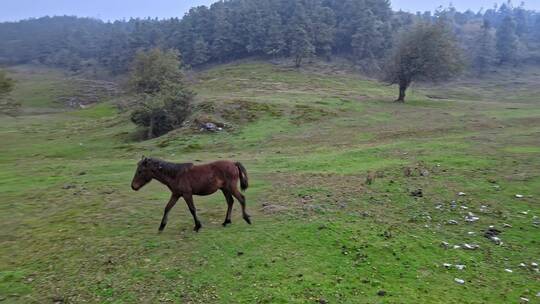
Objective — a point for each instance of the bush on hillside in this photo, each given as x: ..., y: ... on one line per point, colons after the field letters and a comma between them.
x: 156, y: 76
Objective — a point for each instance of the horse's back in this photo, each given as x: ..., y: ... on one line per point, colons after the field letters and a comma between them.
x: 207, y: 178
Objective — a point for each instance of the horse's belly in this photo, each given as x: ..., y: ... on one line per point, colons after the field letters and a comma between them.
x: 206, y: 189
x: 205, y: 192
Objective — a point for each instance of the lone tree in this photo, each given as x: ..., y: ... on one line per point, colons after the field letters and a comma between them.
x: 6, y: 84
x: 7, y: 105
x: 156, y: 76
x: 426, y: 52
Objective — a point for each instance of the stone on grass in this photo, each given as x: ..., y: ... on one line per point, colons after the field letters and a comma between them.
x: 534, y: 265
x: 462, y: 194
x: 524, y: 300
x: 210, y: 127
x: 447, y: 265
x: 508, y: 270
x: 519, y: 195
x: 417, y: 193
x: 523, y: 265
x: 471, y: 218
x: 496, y: 240
x: 452, y: 222
x: 470, y: 246
x: 460, y: 267
x: 459, y: 281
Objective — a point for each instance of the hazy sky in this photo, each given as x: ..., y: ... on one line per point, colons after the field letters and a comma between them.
x: 118, y: 9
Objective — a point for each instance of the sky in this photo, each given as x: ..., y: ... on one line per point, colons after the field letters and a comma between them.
x: 13, y: 10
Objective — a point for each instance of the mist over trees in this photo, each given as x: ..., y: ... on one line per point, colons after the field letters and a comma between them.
x: 364, y: 31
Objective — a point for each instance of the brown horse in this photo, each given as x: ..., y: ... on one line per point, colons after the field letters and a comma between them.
x: 186, y: 180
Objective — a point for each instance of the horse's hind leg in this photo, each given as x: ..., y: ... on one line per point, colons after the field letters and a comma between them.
x: 242, y: 199
x: 230, y: 202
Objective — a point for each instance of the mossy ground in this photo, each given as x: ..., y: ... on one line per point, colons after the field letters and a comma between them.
x: 73, y: 230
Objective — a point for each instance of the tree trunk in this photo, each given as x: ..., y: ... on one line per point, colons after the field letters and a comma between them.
x: 298, y: 61
x: 150, y: 134
x: 402, y: 90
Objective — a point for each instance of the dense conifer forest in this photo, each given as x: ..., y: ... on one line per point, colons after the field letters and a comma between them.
x: 361, y: 30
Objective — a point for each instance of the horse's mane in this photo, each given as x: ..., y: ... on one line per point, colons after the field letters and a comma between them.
x: 171, y: 169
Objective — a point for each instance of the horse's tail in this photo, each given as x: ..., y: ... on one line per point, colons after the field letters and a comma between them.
x: 243, y: 176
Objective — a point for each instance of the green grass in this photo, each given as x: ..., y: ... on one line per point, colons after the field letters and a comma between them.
x: 74, y: 231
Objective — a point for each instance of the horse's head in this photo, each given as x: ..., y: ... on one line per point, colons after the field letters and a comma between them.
x: 143, y: 175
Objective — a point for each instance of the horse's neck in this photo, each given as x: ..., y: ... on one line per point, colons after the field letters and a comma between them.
x: 163, y: 178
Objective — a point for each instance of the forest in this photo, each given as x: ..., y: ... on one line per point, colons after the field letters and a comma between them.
x: 363, y: 31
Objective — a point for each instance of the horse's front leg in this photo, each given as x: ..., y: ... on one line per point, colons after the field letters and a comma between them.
x: 172, y: 201
x: 189, y: 201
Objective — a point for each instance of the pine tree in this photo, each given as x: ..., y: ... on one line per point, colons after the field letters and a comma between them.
x: 507, y: 41
x: 201, y: 54
x: 367, y: 40
x: 275, y: 44
x: 300, y: 42
x: 484, y: 51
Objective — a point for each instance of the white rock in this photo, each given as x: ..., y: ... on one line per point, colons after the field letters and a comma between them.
x: 534, y: 265
x: 460, y: 267
x: 508, y: 270
x: 471, y: 233
x: 464, y: 207
x: 519, y: 196
x: 447, y: 265
x: 470, y: 246
x: 525, y: 300
x: 452, y: 222
x: 457, y: 246
x: 462, y: 194
x: 459, y: 281
x: 522, y: 265
x: 538, y: 294
x: 496, y: 240
x: 471, y: 218
x: 507, y: 225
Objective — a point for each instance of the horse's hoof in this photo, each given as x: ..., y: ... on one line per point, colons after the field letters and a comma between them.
x: 197, y: 228
x: 227, y: 222
x: 247, y: 220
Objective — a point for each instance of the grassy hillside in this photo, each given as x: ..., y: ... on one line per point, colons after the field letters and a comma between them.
x: 73, y: 230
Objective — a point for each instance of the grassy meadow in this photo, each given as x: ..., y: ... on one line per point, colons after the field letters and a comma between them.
x: 73, y: 231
